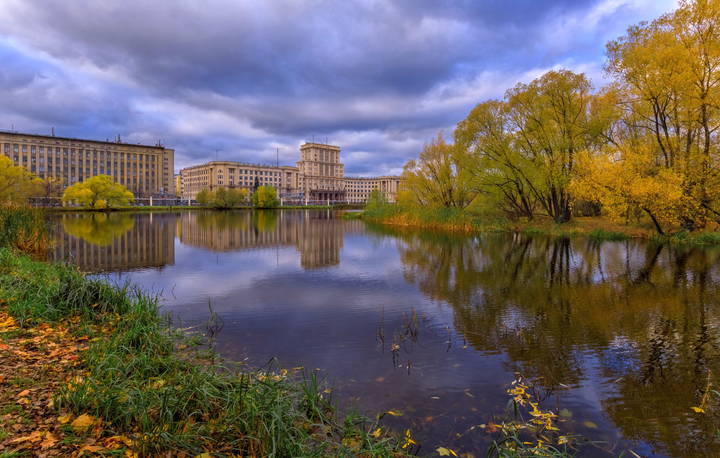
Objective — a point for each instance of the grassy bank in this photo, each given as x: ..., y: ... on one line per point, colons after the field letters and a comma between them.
x: 135, y: 386
x: 596, y: 228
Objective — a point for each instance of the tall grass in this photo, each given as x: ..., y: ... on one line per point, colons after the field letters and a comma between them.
x: 23, y: 228
x: 136, y: 380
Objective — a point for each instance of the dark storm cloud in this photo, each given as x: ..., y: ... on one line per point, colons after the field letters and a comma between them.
x: 246, y: 77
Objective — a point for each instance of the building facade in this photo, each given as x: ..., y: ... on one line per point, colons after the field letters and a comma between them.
x: 318, y: 176
x: 228, y: 174
x: 145, y: 170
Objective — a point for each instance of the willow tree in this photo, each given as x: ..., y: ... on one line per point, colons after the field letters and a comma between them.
x: 553, y: 122
x: 668, y: 74
x: 496, y: 170
x: 525, y: 147
x: 437, y: 178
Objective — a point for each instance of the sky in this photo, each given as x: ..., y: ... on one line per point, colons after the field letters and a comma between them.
x: 248, y: 79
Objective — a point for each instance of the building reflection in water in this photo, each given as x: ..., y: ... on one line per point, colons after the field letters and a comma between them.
x: 104, y: 242
x: 317, y: 235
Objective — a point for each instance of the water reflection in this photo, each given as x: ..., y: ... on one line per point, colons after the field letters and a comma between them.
x: 644, y: 316
x: 101, y: 242
x: 624, y: 334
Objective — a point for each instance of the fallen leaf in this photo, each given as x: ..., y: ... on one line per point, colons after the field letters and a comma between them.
x: 590, y: 424
x: 64, y: 419
x: 49, y: 441
x: 82, y: 423
x: 116, y: 441
x: 91, y: 449
x: 442, y: 451
x: 376, y: 433
x: 23, y: 393
x: 698, y: 409
x: 351, y: 443
x: 35, y: 436
x: 394, y: 413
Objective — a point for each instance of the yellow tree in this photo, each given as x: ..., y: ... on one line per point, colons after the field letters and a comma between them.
x: 668, y: 73
x: 497, y: 170
x: 437, y: 178
x: 553, y: 121
x: 98, y: 192
x: 16, y: 183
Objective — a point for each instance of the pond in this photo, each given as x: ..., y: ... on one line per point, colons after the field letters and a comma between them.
x: 622, y: 337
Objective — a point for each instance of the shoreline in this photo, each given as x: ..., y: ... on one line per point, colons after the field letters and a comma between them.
x: 593, y: 228
x: 135, y: 385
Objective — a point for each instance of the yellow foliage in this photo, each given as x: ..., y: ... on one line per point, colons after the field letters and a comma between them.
x: 16, y: 183
x: 98, y: 192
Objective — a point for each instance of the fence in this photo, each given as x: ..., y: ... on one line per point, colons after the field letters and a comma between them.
x: 50, y: 202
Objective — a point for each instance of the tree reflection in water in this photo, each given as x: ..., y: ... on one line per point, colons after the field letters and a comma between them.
x: 646, y: 314
x: 99, y: 229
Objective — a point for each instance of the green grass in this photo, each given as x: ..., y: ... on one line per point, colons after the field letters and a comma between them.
x: 138, y: 382
x: 606, y: 235
x: 689, y: 238
x: 23, y: 228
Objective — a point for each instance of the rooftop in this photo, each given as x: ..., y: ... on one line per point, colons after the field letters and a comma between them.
x: 57, y: 137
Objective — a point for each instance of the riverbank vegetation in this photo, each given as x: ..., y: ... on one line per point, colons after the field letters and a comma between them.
x: 642, y: 151
x: 92, y: 368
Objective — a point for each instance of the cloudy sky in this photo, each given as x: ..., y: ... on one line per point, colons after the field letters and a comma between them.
x: 240, y: 78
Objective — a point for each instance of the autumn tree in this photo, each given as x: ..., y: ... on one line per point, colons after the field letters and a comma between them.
x: 204, y: 197
x: 437, y: 178
x: 98, y: 192
x: 224, y: 198
x: 16, y: 183
x: 265, y: 197
x: 521, y: 151
x: 668, y: 77
x: 496, y: 170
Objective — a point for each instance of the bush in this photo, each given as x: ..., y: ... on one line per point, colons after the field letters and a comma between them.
x: 223, y: 198
x: 265, y: 197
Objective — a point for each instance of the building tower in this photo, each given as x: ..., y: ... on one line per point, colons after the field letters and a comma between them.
x: 321, y: 172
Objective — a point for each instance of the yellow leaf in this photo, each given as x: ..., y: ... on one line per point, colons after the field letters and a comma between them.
x: 116, y: 441
x: 376, y: 433
x: 590, y: 424
x: 394, y: 413
x: 442, y: 451
x: 83, y: 422
x: 35, y: 436
x: 351, y: 443
x: 204, y: 455
x: 50, y: 440
x: 64, y: 419
x: 698, y: 409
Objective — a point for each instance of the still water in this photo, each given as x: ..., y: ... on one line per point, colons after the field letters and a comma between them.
x: 622, y: 336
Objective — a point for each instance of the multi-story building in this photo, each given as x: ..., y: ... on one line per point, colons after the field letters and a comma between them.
x: 321, y: 172
x: 358, y: 189
x: 228, y: 174
x: 145, y: 170
x: 319, y: 176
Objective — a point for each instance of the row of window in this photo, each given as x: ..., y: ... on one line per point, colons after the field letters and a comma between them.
x: 101, y: 154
